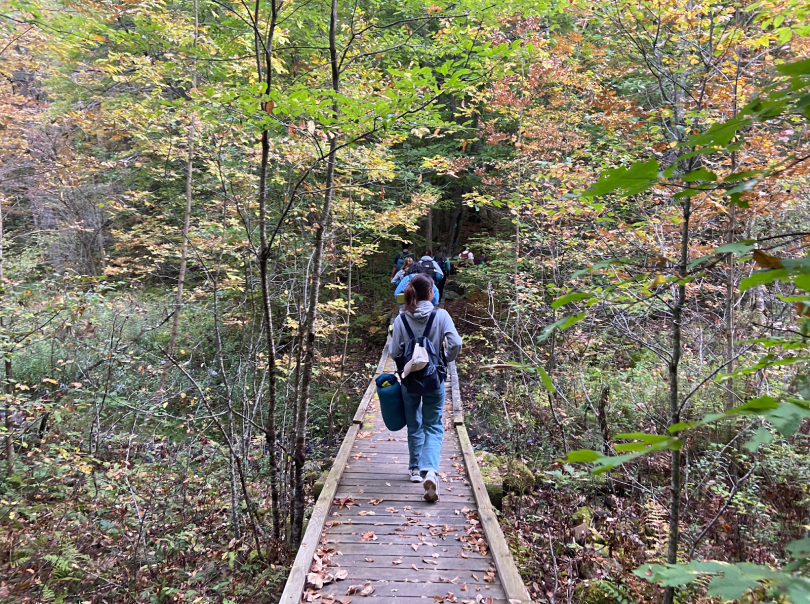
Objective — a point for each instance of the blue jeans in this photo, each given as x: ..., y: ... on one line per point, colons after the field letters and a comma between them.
x: 423, y: 412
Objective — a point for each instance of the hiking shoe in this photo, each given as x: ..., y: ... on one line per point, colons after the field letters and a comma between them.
x: 415, y: 475
x: 430, y: 486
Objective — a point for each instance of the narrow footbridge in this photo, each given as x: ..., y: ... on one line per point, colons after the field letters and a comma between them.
x: 371, y: 537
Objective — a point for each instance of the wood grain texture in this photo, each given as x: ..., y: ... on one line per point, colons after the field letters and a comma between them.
x: 507, y: 570
x: 458, y: 413
x: 298, y: 573
x: 371, y: 390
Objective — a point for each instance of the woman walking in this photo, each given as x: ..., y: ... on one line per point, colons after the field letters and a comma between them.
x: 444, y: 262
x: 406, y: 265
x: 423, y: 412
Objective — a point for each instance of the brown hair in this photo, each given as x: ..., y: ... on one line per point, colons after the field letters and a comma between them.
x: 419, y: 288
x: 407, y: 263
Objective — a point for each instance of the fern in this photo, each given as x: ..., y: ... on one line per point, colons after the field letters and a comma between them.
x: 617, y: 593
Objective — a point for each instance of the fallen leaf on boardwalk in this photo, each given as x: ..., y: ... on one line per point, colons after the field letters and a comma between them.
x: 413, y: 566
x: 365, y: 513
x: 315, y: 581
x: 388, y: 484
x: 341, y: 574
x: 438, y: 599
x: 369, y: 559
x: 463, y: 587
x: 363, y: 434
x: 414, y: 547
x: 369, y: 536
x: 454, y: 580
x: 464, y: 555
x: 369, y: 589
x: 327, y: 599
x: 345, y: 600
x: 456, y: 512
x: 489, y: 579
x: 491, y: 569
x: 376, y: 501
x: 465, y: 510
x: 429, y: 561
x: 475, y: 577
x: 396, y: 562
x: 450, y: 597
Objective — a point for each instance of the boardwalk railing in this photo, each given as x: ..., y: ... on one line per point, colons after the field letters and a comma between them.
x: 372, y: 525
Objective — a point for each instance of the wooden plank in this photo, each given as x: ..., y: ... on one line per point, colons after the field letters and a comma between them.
x: 303, y: 560
x: 455, y: 393
x: 507, y: 570
x: 384, y: 356
x: 371, y: 390
x: 385, y: 588
x: 447, y: 562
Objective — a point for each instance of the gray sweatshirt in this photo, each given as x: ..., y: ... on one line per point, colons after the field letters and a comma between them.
x: 443, y: 329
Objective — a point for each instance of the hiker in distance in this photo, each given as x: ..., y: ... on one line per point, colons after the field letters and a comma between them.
x: 399, y: 259
x: 418, y: 268
x: 400, y: 274
x: 423, y: 390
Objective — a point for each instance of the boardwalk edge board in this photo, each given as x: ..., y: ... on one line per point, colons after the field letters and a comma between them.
x: 504, y: 562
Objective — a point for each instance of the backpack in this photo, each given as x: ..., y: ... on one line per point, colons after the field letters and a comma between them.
x: 422, y: 370
x: 429, y: 269
x: 445, y: 264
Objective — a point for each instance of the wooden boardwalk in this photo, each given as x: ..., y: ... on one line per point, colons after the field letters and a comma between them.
x: 372, y: 537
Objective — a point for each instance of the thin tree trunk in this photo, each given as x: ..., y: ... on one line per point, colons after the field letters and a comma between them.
x: 429, y: 229
x: 267, y: 309
x: 181, y: 277
x: 674, y: 402
x: 299, y: 456
x: 8, y: 388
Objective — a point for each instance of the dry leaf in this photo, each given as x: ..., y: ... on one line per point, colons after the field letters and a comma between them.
x: 315, y: 581
x: 341, y: 574
x: 766, y: 260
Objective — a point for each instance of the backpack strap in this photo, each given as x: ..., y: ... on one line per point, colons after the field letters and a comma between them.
x: 429, y: 325
x: 407, y: 327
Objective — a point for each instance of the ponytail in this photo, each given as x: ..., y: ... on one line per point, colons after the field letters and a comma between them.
x: 419, y: 288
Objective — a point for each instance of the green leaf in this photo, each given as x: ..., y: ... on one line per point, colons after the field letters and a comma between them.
x: 763, y: 278
x: 700, y: 174
x: 637, y: 178
x: 568, y: 298
x: 799, y: 68
x: 719, y: 134
x: 761, y: 437
x: 583, y: 456
x: 546, y: 379
x: 740, y: 248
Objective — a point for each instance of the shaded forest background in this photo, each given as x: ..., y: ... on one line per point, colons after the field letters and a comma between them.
x: 200, y: 202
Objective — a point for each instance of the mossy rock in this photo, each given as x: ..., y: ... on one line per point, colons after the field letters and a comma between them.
x: 594, y: 592
x: 519, y: 478
x: 583, y: 515
x: 489, y: 465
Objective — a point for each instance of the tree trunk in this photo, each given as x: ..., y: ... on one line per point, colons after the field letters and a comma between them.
x: 267, y: 310
x: 299, y: 455
x: 429, y: 230
x: 674, y: 402
x: 181, y: 277
x: 8, y: 387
